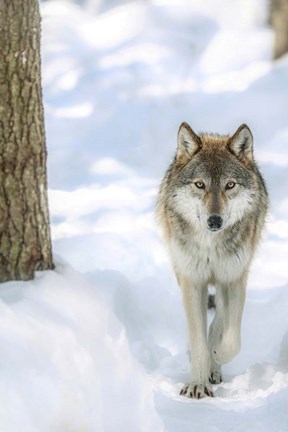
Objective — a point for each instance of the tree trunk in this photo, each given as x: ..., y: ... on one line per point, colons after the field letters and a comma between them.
x: 279, y: 22
x: 25, y: 244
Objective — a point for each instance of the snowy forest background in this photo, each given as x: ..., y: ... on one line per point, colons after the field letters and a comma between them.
x: 106, y: 349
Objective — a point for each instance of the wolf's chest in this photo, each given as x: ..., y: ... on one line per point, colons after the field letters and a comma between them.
x: 209, y: 260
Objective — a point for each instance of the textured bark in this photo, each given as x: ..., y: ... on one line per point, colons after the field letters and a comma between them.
x: 279, y: 22
x: 25, y: 244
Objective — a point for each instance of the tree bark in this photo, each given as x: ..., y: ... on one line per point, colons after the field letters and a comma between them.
x: 25, y: 243
x: 279, y: 22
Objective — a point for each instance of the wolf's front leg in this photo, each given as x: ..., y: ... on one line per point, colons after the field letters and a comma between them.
x: 195, y: 304
x: 225, y: 346
x: 215, y: 335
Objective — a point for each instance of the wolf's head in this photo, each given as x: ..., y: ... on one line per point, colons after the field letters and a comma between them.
x: 215, y: 178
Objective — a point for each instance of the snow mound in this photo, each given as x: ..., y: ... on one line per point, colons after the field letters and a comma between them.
x: 65, y: 362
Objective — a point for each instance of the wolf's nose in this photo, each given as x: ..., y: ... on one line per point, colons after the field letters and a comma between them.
x: 215, y: 222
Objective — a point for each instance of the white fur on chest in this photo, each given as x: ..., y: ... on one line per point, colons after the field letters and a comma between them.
x: 205, y: 261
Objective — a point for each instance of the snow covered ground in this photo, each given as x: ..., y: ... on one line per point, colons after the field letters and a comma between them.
x: 107, y: 350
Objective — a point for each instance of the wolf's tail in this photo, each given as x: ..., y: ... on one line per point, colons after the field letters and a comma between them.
x: 211, y: 301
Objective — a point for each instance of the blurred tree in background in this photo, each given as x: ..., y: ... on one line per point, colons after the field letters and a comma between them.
x: 279, y: 22
x: 25, y: 244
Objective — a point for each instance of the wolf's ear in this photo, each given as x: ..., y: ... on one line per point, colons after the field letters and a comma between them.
x: 241, y: 143
x: 188, y: 143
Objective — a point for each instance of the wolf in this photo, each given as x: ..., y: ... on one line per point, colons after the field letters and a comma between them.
x: 211, y: 206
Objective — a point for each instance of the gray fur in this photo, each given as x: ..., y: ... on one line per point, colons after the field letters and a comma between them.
x: 212, y: 175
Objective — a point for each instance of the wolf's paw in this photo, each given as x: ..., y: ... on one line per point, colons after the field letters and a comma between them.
x: 196, y: 391
x: 226, y: 350
x: 215, y: 377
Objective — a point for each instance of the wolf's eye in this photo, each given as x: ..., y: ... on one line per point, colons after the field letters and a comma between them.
x: 230, y: 185
x: 200, y: 185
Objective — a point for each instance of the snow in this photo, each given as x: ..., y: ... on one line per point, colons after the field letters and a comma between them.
x: 65, y: 360
x: 107, y: 349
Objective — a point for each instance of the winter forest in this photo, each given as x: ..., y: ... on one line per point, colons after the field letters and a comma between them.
x: 97, y: 342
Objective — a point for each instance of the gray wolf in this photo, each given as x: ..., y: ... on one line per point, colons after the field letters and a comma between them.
x: 211, y: 206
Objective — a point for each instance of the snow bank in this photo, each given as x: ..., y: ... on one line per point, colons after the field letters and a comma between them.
x: 65, y: 363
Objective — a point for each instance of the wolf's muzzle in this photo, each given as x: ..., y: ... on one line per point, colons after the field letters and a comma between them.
x: 214, y: 222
